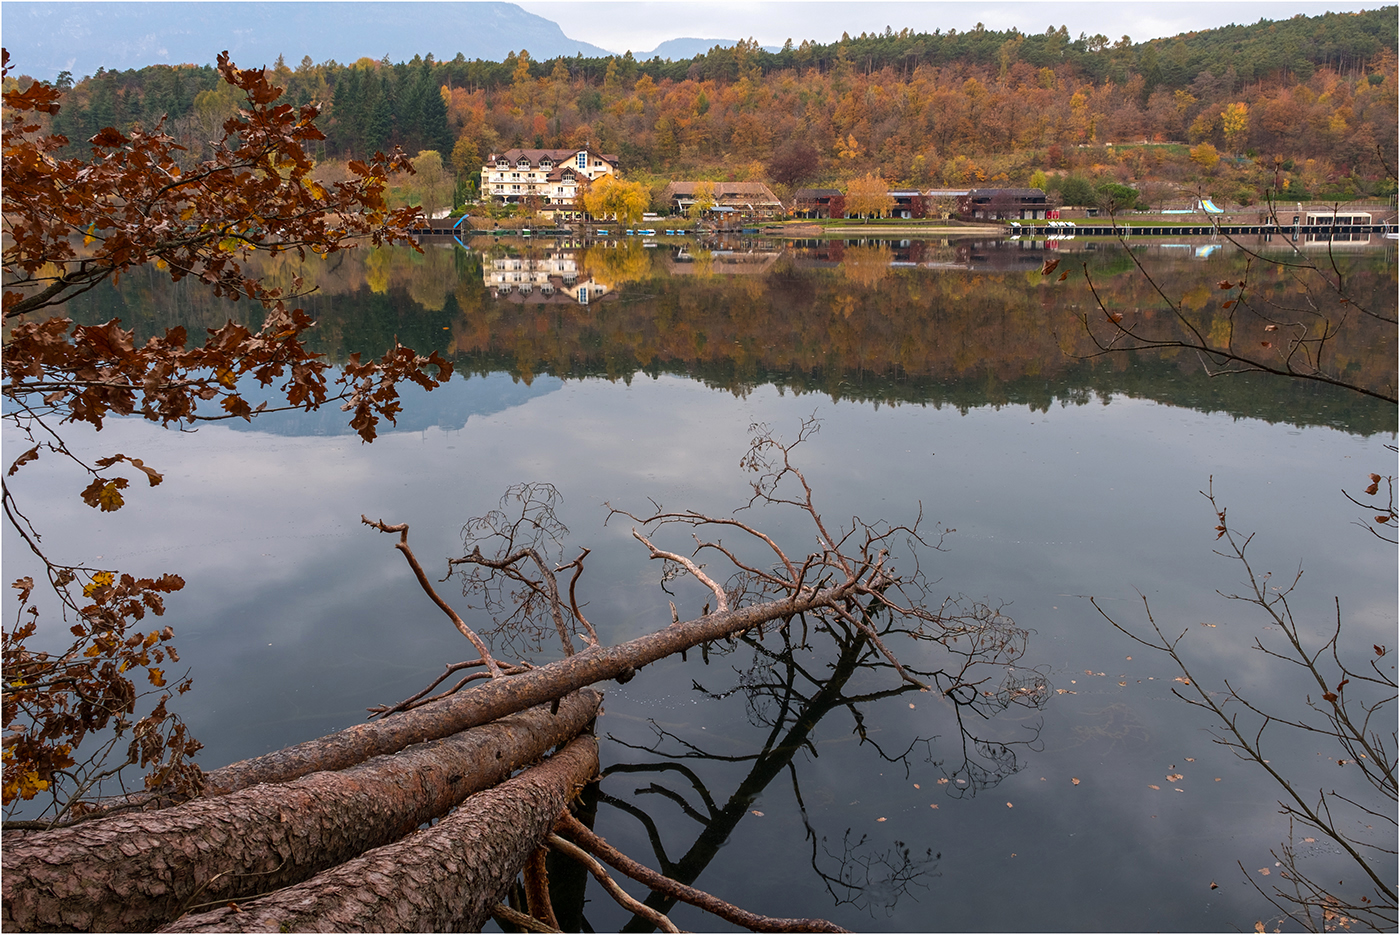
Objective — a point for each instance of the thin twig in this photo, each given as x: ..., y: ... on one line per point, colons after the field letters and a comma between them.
x: 458, y: 622
x: 618, y: 893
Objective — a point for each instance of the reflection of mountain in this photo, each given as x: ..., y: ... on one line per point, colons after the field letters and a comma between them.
x: 924, y: 322
x: 448, y: 407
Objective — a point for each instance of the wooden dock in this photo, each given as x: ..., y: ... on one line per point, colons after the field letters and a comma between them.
x: 1314, y: 231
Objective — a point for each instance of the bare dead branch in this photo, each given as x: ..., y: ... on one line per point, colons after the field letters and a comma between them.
x: 458, y: 622
x: 537, y: 888
x: 616, y: 892
x: 503, y: 913
x: 581, y: 835
x: 523, y: 530
x: 721, y: 599
x: 1346, y: 720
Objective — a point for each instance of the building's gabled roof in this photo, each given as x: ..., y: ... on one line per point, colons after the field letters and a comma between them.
x: 560, y: 171
x: 812, y: 194
x: 725, y: 192
x: 555, y: 156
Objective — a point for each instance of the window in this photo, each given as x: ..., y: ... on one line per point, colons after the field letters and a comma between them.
x: 582, y: 160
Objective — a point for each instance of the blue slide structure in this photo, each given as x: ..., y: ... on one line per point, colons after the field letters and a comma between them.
x: 1209, y: 207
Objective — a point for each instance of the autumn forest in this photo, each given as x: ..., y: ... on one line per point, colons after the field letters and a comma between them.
x: 1305, y: 107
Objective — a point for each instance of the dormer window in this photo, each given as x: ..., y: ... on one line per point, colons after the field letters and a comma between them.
x: 523, y: 163
x: 502, y: 164
x: 546, y: 163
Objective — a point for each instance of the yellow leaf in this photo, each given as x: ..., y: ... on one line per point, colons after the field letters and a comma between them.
x: 110, y: 498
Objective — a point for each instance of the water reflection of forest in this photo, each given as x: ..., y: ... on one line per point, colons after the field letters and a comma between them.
x: 932, y: 322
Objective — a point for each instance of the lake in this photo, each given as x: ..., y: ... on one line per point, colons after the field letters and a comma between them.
x: 792, y: 776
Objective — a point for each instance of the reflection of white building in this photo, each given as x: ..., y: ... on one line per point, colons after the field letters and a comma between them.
x: 535, y: 281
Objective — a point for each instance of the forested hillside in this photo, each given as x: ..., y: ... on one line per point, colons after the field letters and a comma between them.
x: 1306, y: 106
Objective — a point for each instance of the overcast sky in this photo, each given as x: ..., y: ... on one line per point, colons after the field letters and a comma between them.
x: 620, y: 26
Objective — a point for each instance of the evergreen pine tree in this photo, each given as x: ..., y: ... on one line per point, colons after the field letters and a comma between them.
x: 380, y: 130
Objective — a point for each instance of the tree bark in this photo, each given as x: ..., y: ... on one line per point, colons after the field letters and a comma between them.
x: 499, y: 697
x: 445, y: 878
x: 138, y: 871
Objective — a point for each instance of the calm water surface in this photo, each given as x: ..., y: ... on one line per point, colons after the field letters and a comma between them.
x: 941, y: 379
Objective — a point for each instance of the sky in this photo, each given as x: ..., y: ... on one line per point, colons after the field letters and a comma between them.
x: 620, y: 26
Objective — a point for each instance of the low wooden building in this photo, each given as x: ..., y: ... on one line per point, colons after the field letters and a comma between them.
x: 748, y: 199
x: 818, y: 203
x: 1025, y: 204
x: 908, y: 203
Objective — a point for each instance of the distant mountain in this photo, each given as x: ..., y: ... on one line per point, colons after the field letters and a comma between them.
x: 676, y: 50
x: 45, y: 38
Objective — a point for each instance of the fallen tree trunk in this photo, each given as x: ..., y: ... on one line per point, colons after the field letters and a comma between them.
x: 444, y: 878
x: 142, y: 870
x: 502, y: 696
